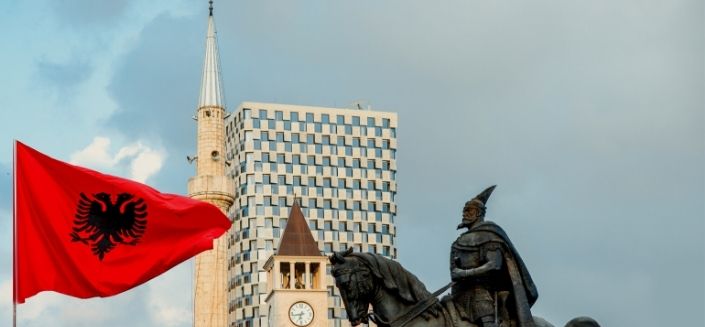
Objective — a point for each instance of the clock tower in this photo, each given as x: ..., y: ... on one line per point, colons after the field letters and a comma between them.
x: 296, y: 277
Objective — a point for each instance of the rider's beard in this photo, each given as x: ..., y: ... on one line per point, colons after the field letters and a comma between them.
x: 467, y: 223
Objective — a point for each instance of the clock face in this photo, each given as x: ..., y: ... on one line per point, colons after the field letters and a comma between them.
x: 301, y: 314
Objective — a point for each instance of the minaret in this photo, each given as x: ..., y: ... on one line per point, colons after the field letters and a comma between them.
x: 211, y: 185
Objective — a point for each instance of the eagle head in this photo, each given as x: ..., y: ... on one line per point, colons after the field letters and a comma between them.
x: 102, y: 196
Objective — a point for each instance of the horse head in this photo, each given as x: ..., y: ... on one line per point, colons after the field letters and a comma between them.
x: 355, y: 283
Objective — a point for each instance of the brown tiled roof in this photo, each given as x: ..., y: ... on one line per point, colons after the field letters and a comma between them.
x: 297, y: 239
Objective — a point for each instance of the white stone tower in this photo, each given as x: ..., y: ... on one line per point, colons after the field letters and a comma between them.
x: 296, y: 277
x: 211, y: 184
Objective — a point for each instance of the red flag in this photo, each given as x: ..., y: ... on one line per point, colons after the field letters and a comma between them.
x: 85, y: 234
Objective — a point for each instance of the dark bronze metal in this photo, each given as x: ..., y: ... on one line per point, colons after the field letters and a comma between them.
x: 491, y: 286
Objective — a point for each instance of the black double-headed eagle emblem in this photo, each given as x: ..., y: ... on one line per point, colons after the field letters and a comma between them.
x: 103, y: 224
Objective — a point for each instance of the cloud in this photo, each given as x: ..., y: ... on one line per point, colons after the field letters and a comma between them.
x: 156, y: 87
x: 156, y: 84
x: 147, y: 163
x: 164, y: 301
x: 126, y: 309
x: 139, y: 160
x: 64, y: 76
x: 5, y: 186
x: 165, y: 308
x: 89, y: 14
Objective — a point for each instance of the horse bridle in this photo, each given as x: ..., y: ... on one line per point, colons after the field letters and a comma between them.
x: 350, y: 272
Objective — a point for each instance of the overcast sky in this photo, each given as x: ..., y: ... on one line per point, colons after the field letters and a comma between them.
x: 589, y: 115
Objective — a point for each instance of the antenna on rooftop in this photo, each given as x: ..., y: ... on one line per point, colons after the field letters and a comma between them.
x: 361, y: 104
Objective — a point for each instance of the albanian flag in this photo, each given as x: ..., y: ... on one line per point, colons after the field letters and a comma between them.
x: 85, y: 234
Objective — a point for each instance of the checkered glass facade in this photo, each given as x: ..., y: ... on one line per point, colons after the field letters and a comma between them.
x: 340, y: 164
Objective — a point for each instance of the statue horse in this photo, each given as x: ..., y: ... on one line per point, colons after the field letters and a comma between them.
x: 397, y: 297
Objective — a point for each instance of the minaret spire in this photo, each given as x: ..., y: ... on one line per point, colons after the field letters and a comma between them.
x: 211, y: 82
x: 211, y: 184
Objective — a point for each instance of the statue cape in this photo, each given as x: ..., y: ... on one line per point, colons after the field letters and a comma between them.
x: 523, y: 287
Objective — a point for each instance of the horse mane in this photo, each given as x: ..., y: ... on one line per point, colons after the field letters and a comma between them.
x: 394, y: 276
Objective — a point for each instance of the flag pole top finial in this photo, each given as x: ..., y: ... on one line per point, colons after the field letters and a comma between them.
x: 210, y: 8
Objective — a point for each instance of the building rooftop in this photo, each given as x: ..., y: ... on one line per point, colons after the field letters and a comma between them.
x: 297, y: 239
x: 294, y: 107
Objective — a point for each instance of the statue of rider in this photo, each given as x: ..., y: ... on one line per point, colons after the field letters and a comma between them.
x: 492, y: 286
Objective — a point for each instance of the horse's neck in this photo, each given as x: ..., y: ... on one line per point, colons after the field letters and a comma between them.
x: 388, y: 305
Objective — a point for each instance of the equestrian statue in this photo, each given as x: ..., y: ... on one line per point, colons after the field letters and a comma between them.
x: 490, y: 285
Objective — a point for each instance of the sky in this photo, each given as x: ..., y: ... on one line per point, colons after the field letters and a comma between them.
x: 588, y: 115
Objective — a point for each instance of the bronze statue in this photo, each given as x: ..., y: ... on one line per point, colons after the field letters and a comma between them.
x: 493, y: 287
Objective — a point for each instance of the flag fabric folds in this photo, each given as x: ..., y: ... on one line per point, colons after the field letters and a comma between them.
x: 86, y: 234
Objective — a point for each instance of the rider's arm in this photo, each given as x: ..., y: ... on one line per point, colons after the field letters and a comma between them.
x: 494, y: 262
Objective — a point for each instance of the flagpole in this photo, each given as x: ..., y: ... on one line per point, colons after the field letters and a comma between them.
x: 14, y: 233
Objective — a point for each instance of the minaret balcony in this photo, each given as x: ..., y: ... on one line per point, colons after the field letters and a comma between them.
x: 212, y: 188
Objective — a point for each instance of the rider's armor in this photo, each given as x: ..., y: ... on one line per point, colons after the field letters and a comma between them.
x: 474, y: 295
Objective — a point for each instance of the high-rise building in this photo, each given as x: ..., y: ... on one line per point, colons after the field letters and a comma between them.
x: 339, y: 163
x: 211, y: 184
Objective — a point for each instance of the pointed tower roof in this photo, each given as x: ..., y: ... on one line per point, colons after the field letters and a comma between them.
x: 297, y: 239
x: 211, y: 83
